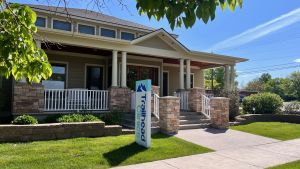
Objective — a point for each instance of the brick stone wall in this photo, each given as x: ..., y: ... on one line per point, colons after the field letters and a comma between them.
x: 219, y: 112
x: 169, y: 110
x: 119, y: 99
x: 27, y: 98
x: 54, y: 131
x: 195, y: 99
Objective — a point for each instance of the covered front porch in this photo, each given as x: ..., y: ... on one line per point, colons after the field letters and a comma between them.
x: 83, y: 76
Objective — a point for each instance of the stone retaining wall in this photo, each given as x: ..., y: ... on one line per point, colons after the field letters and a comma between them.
x: 250, y: 118
x: 53, y: 131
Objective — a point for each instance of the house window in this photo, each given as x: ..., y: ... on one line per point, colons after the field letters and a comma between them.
x: 40, y: 22
x: 86, y: 29
x: 94, y: 78
x: 127, y: 36
x: 62, y: 25
x: 192, y: 80
x: 57, y: 79
x: 108, y: 33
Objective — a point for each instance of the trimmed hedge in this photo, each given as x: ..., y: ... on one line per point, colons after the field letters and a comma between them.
x: 77, y: 118
x: 262, y: 103
x: 25, y: 119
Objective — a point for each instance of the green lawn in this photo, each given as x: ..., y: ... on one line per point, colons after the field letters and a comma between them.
x: 276, y: 130
x: 291, y: 165
x: 102, y: 152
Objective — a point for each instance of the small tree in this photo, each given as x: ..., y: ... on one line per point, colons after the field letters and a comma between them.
x: 19, y: 55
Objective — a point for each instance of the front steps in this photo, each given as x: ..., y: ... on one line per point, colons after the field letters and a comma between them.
x: 192, y: 120
x: 129, y: 122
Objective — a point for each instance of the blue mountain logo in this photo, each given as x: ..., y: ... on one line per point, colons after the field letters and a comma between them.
x: 141, y: 88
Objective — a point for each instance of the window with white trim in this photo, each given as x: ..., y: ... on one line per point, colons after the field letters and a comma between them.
x: 62, y: 25
x: 86, y: 29
x: 127, y: 36
x: 108, y: 33
x: 40, y: 22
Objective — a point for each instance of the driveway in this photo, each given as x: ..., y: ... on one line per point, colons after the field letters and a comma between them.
x: 234, y: 149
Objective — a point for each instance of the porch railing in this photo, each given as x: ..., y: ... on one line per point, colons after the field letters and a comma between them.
x: 184, y: 99
x: 156, y: 105
x: 75, y: 99
x: 206, y: 106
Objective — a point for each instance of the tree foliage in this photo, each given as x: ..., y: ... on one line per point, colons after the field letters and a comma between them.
x: 214, y: 78
x: 287, y: 88
x: 185, y: 12
x: 19, y: 55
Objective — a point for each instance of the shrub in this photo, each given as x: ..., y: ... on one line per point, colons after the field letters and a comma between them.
x: 77, y: 118
x: 234, y: 103
x: 292, y: 108
x: 262, y: 103
x: 25, y: 119
x: 112, y: 118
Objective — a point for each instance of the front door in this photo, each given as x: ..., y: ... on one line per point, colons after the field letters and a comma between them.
x: 135, y: 73
x: 94, y: 78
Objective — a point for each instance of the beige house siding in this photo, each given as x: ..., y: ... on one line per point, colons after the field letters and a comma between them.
x: 76, y: 68
x: 156, y: 42
x: 174, y: 78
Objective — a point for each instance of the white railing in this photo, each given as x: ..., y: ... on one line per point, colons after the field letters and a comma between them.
x: 184, y: 99
x: 156, y: 105
x: 75, y: 99
x: 132, y: 100
x: 206, y: 106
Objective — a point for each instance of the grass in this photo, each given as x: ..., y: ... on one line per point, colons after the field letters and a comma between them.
x: 103, y: 152
x: 276, y: 130
x: 291, y: 165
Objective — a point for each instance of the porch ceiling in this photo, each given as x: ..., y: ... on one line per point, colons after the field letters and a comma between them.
x: 75, y: 49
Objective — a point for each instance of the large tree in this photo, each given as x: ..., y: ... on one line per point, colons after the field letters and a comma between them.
x: 20, y: 57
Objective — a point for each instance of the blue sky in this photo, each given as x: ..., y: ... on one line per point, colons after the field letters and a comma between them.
x: 265, y: 31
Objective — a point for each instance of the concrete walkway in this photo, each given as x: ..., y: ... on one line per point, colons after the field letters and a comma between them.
x: 234, y: 149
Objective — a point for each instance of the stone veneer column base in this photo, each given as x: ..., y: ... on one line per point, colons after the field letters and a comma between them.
x: 219, y: 107
x: 195, y: 99
x: 169, y: 110
x: 119, y: 99
x: 27, y: 98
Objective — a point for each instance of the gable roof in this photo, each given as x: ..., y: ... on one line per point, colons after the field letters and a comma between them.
x: 88, y: 14
x: 163, y: 33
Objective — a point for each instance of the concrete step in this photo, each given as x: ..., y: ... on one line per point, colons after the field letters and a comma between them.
x: 184, y: 113
x: 193, y: 126
x: 127, y: 131
x: 190, y: 117
x: 194, y: 121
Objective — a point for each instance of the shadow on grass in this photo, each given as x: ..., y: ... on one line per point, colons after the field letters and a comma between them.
x: 116, y: 157
x: 216, y: 131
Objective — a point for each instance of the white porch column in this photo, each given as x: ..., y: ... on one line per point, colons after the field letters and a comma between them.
x: 227, y: 78
x: 181, y: 75
x: 188, y: 74
x: 114, y: 81
x: 124, y: 70
x: 232, y: 77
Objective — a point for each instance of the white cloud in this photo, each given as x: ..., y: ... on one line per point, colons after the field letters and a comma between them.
x: 297, y: 60
x: 258, y: 31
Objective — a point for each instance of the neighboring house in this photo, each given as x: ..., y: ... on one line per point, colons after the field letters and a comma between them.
x: 96, y: 60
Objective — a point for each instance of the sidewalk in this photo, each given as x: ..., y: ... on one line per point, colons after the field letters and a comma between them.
x: 234, y: 149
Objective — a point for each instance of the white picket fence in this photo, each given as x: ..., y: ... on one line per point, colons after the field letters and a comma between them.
x: 206, y: 106
x: 75, y: 99
x: 184, y: 99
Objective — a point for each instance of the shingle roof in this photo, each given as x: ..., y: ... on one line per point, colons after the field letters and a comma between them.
x: 83, y: 13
